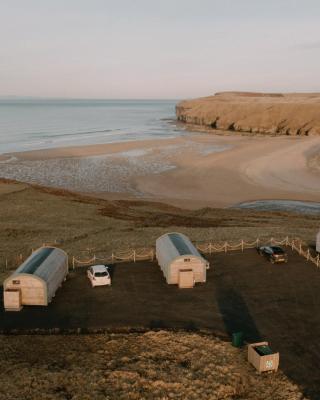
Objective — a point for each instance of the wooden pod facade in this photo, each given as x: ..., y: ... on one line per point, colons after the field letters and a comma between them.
x: 38, y: 278
x: 179, y: 260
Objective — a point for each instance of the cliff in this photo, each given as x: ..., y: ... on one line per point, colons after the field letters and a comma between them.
x: 277, y: 114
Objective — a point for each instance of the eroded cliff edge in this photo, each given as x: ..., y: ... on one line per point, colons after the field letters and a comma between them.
x: 266, y: 113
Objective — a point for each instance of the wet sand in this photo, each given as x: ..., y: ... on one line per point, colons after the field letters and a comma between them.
x: 254, y: 169
x: 189, y: 171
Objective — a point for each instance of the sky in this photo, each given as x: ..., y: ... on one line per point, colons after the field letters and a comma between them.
x: 166, y: 49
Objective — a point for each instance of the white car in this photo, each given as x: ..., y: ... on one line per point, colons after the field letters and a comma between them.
x: 99, y: 275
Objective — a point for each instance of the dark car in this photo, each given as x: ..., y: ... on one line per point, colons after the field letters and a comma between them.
x: 274, y: 254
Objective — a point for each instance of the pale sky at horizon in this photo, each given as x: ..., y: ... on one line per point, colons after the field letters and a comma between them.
x: 157, y: 49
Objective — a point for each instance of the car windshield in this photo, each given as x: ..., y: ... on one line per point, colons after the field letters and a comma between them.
x: 100, y: 274
x: 277, y: 250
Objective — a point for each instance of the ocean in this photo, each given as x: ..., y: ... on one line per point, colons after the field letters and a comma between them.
x: 42, y: 124
x: 31, y: 124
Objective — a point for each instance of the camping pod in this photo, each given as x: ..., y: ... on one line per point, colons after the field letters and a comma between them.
x: 37, y: 279
x: 179, y: 260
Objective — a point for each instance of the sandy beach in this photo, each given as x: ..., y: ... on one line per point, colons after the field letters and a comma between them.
x: 189, y: 171
x: 253, y: 169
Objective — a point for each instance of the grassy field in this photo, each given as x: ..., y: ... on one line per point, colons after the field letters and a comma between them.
x: 143, y: 366
x: 155, y: 365
x: 31, y: 216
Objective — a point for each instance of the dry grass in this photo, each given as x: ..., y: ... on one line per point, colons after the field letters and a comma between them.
x: 150, y: 366
x: 154, y: 365
x: 31, y: 216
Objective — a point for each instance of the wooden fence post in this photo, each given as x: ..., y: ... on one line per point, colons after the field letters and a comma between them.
x: 6, y: 263
x: 293, y: 243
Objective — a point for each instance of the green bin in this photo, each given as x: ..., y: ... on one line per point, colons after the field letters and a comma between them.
x: 237, y: 339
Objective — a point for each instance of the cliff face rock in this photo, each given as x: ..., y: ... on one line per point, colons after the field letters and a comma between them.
x: 275, y: 113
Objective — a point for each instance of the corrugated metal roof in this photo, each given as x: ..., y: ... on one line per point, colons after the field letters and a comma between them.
x: 44, y: 263
x: 180, y: 244
x: 35, y: 260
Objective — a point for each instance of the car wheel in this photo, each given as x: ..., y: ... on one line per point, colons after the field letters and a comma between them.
x: 272, y: 261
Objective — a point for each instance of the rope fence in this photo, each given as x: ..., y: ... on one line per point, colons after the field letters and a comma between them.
x: 205, y: 248
x: 148, y: 254
x: 209, y: 248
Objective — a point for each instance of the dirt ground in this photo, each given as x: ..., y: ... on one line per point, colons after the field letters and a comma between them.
x: 243, y: 292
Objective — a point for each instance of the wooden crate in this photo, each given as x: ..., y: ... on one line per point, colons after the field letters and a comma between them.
x: 262, y: 363
x: 12, y: 300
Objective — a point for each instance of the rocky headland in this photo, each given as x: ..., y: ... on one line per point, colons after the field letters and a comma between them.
x: 295, y: 114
